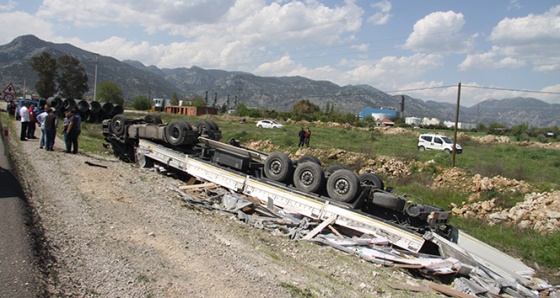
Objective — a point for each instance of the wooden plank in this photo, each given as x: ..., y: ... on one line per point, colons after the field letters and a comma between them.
x: 448, y: 291
x: 412, y: 288
x: 320, y: 227
x: 198, y: 186
x: 337, y: 233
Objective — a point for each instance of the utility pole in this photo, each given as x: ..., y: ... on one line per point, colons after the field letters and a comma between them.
x: 456, y: 124
x: 95, y: 78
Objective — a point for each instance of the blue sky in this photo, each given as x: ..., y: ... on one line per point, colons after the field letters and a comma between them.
x: 492, y: 47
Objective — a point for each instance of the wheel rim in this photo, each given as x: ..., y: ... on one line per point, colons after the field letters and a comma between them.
x: 276, y: 167
x: 341, y: 186
x: 307, y: 178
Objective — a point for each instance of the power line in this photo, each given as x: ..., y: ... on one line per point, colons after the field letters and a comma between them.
x: 508, y: 89
x: 476, y: 87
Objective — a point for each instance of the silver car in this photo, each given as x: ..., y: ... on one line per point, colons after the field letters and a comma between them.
x: 269, y: 124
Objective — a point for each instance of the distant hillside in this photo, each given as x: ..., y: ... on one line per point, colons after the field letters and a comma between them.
x: 275, y: 93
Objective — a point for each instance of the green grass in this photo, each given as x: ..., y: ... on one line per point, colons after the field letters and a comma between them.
x: 540, y: 167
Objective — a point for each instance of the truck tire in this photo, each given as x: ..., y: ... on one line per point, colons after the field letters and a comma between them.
x: 176, y: 132
x: 309, y: 177
x: 306, y: 158
x: 371, y: 179
x: 343, y: 185
x: 153, y: 118
x: 205, y: 129
x: 333, y: 168
x: 118, y: 125
x: 278, y: 167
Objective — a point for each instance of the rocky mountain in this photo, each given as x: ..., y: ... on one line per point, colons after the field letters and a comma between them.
x: 275, y: 93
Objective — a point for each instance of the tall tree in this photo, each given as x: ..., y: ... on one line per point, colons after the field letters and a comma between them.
x: 45, y: 65
x: 174, y: 99
x: 305, y: 107
x: 110, y: 92
x: 72, y: 77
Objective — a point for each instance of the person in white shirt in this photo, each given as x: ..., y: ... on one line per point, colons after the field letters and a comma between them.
x: 24, y: 117
x: 41, y: 120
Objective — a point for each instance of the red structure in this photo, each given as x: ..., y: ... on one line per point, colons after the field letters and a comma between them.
x: 191, y: 110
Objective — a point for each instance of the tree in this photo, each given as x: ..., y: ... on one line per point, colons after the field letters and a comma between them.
x: 305, y: 107
x: 110, y: 92
x: 45, y: 65
x: 141, y: 103
x: 198, y: 102
x: 72, y: 77
x: 174, y: 99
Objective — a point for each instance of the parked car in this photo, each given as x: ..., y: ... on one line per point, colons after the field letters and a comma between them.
x: 437, y: 142
x: 269, y: 124
x: 20, y: 104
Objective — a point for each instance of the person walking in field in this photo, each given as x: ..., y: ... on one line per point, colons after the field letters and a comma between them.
x: 301, y: 138
x: 307, y: 137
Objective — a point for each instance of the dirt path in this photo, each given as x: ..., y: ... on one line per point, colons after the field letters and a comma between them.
x: 121, y: 231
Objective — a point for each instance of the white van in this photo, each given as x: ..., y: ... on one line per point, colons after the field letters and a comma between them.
x: 437, y: 142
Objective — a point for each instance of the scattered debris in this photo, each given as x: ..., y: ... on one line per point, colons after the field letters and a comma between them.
x: 469, y: 276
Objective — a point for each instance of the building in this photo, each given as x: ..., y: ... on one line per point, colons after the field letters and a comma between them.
x: 414, y: 121
x: 378, y: 114
x: 191, y: 110
x: 430, y: 121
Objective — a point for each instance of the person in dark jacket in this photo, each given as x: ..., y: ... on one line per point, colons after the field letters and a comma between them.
x: 301, y: 138
x: 50, y: 129
x: 72, y: 132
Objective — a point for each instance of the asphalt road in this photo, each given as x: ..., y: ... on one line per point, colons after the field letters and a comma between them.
x: 18, y: 266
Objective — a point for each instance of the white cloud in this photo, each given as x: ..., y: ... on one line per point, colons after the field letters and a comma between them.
x: 11, y: 24
x: 490, y: 60
x: 8, y: 6
x: 440, y: 32
x: 534, y: 38
x: 383, y: 15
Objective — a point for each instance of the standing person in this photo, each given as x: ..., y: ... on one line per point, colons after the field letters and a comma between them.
x: 24, y: 117
x: 32, y: 122
x: 307, y: 137
x: 41, y: 121
x: 301, y: 136
x: 72, y: 132
x: 50, y: 124
x: 12, y: 108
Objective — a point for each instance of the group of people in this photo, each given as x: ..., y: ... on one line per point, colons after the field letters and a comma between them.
x: 47, y: 119
x: 304, y: 137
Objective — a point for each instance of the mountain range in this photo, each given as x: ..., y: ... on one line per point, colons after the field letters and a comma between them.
x: 273, y: 93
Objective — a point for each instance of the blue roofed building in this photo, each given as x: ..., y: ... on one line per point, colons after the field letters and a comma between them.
x: 378, y: 114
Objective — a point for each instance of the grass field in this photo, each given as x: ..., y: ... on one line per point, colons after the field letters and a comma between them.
x: 539, y: 167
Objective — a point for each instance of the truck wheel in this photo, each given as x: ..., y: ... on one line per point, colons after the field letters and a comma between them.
x: 176, y: 132
x: 153, y: 118
x: 343, y: 185
x: 309, y: 176
x: 278, y: 167
x: 118, y: 124
x: 371, y: 179
x: 306, y: 158
x: 205, y: 129
x: 422, y: 148
x: 333, y: 168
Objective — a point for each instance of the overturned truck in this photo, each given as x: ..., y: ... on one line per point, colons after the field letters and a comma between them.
x: 359, y: 204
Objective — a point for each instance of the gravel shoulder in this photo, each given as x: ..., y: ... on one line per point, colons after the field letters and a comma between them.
x: 121, y: 231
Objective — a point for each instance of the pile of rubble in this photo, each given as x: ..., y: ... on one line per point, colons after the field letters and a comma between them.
x: 538, y: 211
x: 457, y: 178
